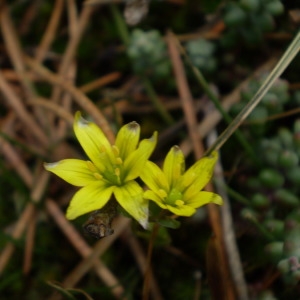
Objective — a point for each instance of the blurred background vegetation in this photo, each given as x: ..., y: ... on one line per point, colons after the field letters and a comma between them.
x: 119, y: 61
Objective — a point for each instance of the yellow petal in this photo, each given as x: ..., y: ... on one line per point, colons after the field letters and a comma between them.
x: 134, y: 164
x: 203, y: 198
x: 74, y: 171
x: 127, y: 139
x: 130, y: 197
x: 154, y: 177
x: 174, y: 165
x: 154, y: 197
x: 183, y: 210
x: 89, y: 198
x: 92, y: 140
x: 199, y: 174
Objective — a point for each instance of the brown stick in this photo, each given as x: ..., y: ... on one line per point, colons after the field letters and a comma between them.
x: 83, y: 248
x: 189, y: 111
x: 19, y: 108
x: 185, y: 96
x: 214, y: 117
x: 141, y: 260
x: 100, y: 247
x: 50, y: 31
x: 79, y: 97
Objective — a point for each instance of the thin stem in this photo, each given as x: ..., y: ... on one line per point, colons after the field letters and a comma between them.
x: 124, y: 34
x: 148, y: 273
x: 202, y: 81
x: 237, y: 196
x: 156, y: 102
x: 285, y: 60
x: 121, y: 25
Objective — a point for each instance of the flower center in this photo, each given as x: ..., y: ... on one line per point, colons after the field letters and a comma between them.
x: 114, y: 167
x: 174, y: 198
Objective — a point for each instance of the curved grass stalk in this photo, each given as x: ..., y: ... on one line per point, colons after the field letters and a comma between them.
x: 283, y: 63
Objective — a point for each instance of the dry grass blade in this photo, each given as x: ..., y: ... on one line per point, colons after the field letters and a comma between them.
x: 84, y: 249
x: 78, y: 96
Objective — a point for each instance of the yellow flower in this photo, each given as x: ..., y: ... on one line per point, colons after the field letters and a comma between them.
x: 176, y: 190
x: 112, y: 169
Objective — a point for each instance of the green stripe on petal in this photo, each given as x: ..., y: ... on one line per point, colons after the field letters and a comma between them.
x: 199, y: 174
x: 184, y: 210
x: 174, y: 165
x: 74, y: 171
x: 92, y: 140
x: 130, y: 197
x: 127, y: 139
x: 89, y: 198
x: 154, y: 197
x: 154, y: 177
x: 134, y: 164
x: 203, y: 198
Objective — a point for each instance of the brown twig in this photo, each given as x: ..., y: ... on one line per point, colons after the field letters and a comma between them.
x: 14, y: 49
x: 79, y: 97
x: 29, y: 245
x: 57, y: 109
x: 50, y: 31
x: 214, y: 117
x: 89, y: 261
x: 185, y: 95
x: 72, y: 47
x: 229, y: 237
x: 190, y: 116
x: 139, y: 256
x: 99, y: 82
x: 148, y: 271
x: 18, y: 106
x: 83, y: 248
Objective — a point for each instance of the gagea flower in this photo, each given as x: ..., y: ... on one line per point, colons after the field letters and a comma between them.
x: 176, y: 190
x: 111, y: 170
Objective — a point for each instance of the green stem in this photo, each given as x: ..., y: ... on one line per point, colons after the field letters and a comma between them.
x: 121, y: 25
x: 263, y: 230
x: 202, y: 81
x: 224, y: 114
x: 124, y: 34
x: 285, y: 60
x: 148, y: 273
x: 156, y: 102
x: 237, y: 196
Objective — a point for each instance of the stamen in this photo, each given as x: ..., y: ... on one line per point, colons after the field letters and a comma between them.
x: 117, y: 172
x: 102, y: 149
x: 98, y: 176
x: 115, y: 150
x: 91, y: 166
x: 162, y: 193
x: 119, y: 161
x: 179, y: 202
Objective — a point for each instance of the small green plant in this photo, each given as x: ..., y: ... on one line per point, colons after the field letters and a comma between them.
x: 148, y: 53
x: 250, y: 19
x: 272, y: 103
x: 201, y: 53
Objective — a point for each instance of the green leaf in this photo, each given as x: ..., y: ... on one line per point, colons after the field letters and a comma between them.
x: 169, y: 223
